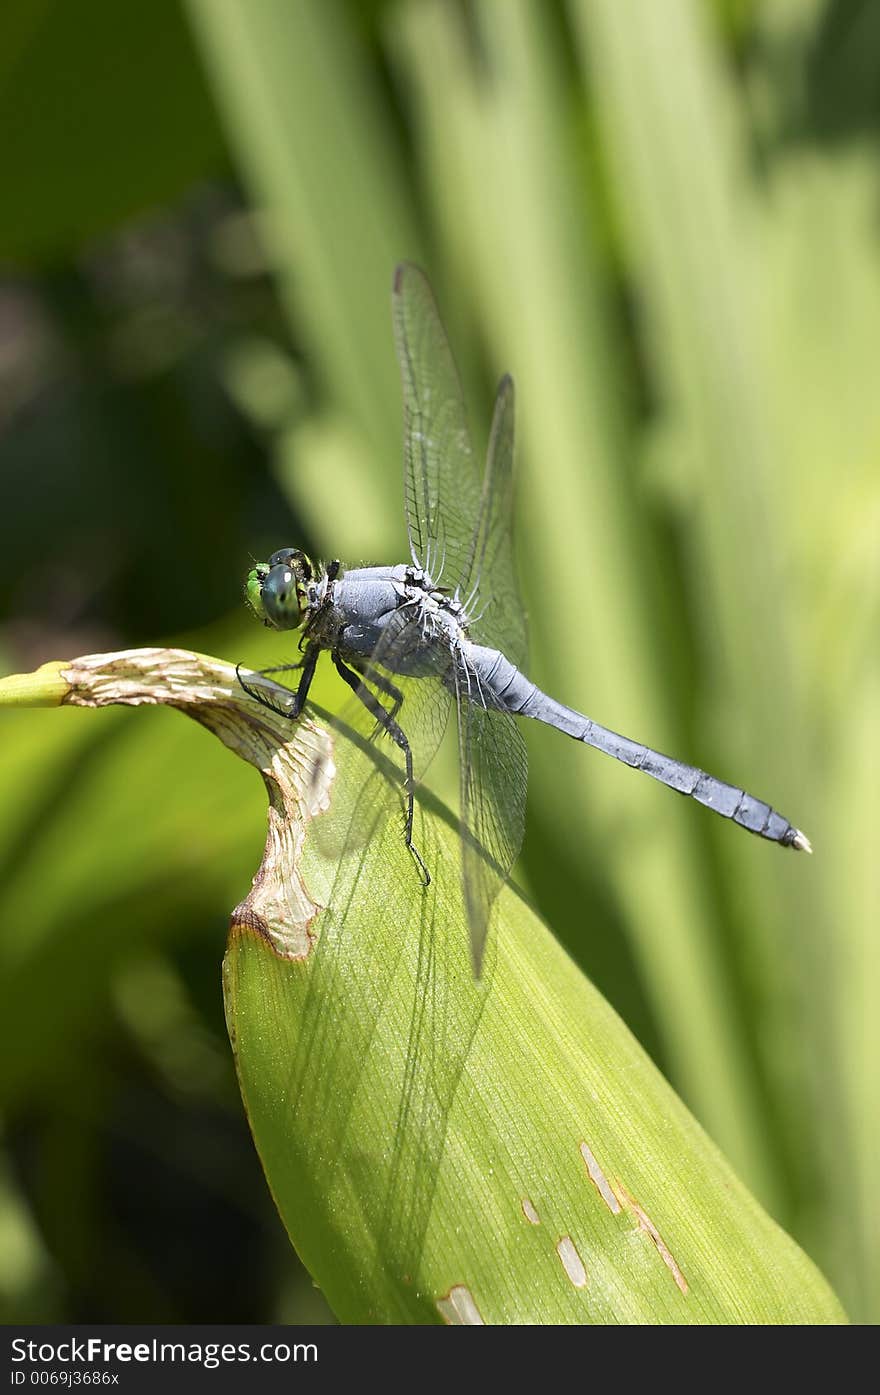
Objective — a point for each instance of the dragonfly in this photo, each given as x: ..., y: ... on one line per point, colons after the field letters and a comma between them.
x: 446, y: 630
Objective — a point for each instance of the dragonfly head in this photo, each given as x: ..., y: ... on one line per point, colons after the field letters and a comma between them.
x: 281, y: 591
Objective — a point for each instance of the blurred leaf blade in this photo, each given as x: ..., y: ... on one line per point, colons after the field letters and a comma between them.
x: 723, y: 344
x: 280, y: 70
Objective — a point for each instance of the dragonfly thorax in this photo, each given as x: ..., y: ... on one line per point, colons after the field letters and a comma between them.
x: 435, y: 600
x: 366, y: 606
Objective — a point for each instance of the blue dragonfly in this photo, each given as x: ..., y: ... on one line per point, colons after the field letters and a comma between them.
x: 446, y: 629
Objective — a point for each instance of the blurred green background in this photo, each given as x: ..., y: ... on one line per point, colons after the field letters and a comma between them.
x: 664, y: 219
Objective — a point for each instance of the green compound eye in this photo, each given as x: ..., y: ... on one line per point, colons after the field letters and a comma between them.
x: 280, y: 598
x: 253, y: 587
x: 277, y: 591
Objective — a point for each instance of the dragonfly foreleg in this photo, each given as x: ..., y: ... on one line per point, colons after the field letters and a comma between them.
x: 279, y: 668
x: 261, y: 696
x: 297, y: 700
x: 389, y: 725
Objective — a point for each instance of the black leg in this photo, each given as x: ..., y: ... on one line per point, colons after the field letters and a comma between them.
x: 305, y: 682
x: 261, y: 697
x: 280, y: 668
x: 379, y: 681
x: 298, y: 699
x: 388, y: 724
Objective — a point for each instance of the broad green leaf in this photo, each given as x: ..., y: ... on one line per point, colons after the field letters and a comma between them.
x: 442, y: 1149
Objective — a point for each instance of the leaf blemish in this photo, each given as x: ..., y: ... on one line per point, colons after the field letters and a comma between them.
x: 572, y: 1262
x: 529, y: 1212
x: 600, y: 1181
x: 647, y: 1226
x: 244, y: 918
x: 458, y: 1308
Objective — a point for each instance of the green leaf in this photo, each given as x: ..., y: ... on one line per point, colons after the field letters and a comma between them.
x: 45, y: 687
x: 442, y: 1149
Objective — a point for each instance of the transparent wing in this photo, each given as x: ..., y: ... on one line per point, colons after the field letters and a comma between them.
x: 490, y: 591
x: 494, y: 776
x: 441, y: 478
